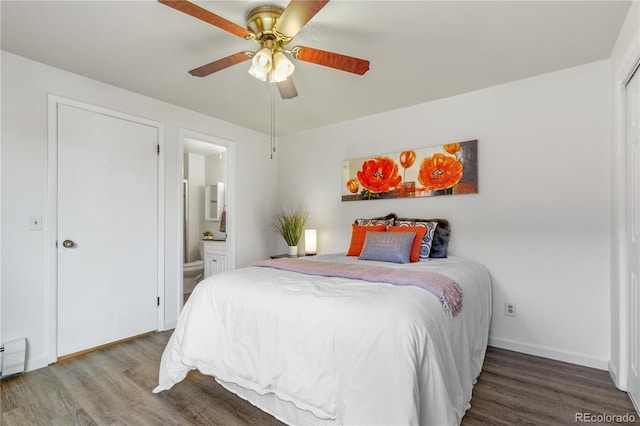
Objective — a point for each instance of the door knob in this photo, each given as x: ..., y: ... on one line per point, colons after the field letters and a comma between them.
x: 68, y: 244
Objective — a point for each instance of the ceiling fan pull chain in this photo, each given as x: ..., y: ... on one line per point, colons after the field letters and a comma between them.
x: 273, y: 121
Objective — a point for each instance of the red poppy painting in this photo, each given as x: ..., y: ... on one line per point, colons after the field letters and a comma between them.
x: 447, y: 169
x: 379, y: 174
x: 440, y: 172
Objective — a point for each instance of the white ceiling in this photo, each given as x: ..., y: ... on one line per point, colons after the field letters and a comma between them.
x: 419, y: 51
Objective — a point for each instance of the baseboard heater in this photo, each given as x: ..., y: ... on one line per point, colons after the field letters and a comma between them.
x: 12, y: 358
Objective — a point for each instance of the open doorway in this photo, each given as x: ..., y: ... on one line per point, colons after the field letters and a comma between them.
x: 207, y: 213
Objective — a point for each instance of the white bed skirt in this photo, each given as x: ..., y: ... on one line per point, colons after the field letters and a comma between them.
x: 284, y: 411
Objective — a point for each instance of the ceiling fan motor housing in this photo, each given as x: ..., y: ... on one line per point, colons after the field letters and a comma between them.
x: 261, y: 22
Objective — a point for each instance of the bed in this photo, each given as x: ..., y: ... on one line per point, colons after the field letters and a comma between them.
x: 320, y: 349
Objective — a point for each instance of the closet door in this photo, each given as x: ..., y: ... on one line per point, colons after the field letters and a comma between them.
x: 633, y: 229
x: 107, y: 229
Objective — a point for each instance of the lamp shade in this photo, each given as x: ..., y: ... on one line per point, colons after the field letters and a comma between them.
x: 310, y: 241
x: 261, y: 64
x: 282, y: 67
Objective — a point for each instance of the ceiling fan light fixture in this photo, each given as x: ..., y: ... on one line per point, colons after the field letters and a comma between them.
x: 282, y: 67
x: 261, y: 64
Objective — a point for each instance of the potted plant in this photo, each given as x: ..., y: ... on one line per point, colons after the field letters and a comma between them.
x: 207, y: 235
x: 289, y: 224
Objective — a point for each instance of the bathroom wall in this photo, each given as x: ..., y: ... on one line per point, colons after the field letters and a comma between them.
x: 201, y: 170
x: 196, y: 204
x: 215, y: 170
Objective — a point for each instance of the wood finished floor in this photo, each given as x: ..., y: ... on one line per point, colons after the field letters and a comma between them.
x: 113, y: 386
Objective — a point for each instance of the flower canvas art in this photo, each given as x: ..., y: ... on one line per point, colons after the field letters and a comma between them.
x: 446, y: 169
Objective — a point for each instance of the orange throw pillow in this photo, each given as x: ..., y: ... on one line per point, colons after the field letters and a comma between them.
x: 417, y: 241
x: 358, y: 233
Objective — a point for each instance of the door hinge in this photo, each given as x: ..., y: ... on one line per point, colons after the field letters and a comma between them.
x: 158, y: 300
x: 158, y: 149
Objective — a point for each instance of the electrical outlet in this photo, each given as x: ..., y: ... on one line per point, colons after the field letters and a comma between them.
x: 35, y: 223
x: 510, y: 309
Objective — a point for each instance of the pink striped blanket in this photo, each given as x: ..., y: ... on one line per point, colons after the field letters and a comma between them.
x: 444, y: 288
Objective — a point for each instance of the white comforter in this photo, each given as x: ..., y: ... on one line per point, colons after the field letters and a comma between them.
x: 352, y: 351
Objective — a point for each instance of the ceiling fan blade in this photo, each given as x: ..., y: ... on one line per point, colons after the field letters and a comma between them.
x: 221, y: 64
x: 207, y: 16
x: 331, y: 59
x: 295, y: 16
x: 287, y: 88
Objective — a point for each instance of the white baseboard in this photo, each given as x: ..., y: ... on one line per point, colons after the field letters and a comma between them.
x: 35, y: 363
x: 613, y: 373
x: 550, y: 353
x: 170, y: 325
x: 636, y: 404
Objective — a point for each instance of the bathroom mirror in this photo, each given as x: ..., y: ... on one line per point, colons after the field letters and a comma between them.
x: 213, y: 201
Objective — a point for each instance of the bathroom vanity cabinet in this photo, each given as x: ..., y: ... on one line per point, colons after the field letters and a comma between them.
x: 215, y: 257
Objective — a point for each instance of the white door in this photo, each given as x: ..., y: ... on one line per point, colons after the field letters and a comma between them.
x: 633, y: 229
x: 107, y: 229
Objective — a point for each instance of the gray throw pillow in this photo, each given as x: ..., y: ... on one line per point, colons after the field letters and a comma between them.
x: 392, y: 247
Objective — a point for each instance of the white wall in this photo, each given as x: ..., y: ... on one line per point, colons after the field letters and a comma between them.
x: 540, y: 221
x: 624, y: 57
x: 25, y: 86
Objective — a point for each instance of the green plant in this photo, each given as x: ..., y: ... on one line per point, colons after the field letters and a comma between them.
x: 290, y: 224
x: 207, y: 234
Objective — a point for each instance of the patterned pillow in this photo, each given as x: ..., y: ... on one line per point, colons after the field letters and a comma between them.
x: 416, y: 247
x: 388, y: 220
x: 427, y: 240
x: 440, y: 237
x: 358, y: 234
x: 388, y: 246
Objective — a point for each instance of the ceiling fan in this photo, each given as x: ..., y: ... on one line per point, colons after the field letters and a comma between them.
x: 272, y: 28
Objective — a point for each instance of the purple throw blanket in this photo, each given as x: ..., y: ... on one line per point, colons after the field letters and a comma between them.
x: 442, y: 287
